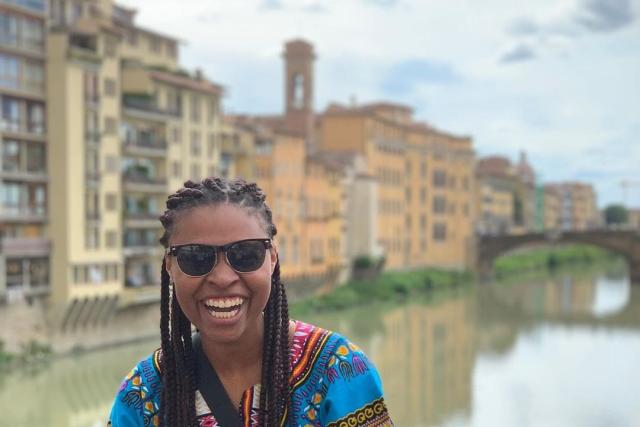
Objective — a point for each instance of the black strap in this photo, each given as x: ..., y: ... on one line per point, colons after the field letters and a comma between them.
x: 212, y: 390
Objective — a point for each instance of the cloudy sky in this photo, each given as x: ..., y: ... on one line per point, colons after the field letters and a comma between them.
x: 557, y: 78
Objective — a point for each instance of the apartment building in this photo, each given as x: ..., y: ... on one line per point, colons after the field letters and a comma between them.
x: 425, y: 181
x: 97, y: 129
x: 574, y: 206
x: 24, y: 191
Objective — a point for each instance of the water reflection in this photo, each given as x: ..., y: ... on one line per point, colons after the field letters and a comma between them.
x: 557, y: 350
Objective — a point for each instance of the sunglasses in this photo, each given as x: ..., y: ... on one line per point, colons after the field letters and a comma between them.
x: 243, y: 256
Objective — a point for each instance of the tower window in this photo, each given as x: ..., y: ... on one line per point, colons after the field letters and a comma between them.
x: 298, y: 90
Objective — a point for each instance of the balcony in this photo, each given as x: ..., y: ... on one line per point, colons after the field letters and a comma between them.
x: 14, y: 174
x: 92, y: 178
x: 92, y: 136
x: 31, y: 6
x: 146, y: 108
x: 23, y: 213
x: 141, y: 220
x: 139, y: 180
x: 145, y: 146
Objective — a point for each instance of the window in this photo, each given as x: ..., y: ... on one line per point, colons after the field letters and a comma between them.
x: 110, y: 88
x: 439, y: 178
x: 110, y: 47
x: 177, y: 170
x: 35, y: 118
x: 212, y: 110
x: 8, y: 29
x: 177, y: 135
x: 439, y: 204
x: 195, y: 108
x: 132, y: 37
x: 110, y: 126
x: 112, y: 239
x: 112, y: 164
x: 36, y: 160
x: 91, y: 86
x: 196, y: 172
x: 439, y: 231
x: 10, y: 114
x: 9, y: 74
x: 155, y: 44
x: 32, y: 34
x: 111, y: 202
x: 33, y: 76
x: 10, y: 156
x: 211, y: 145
x: 195, y: 144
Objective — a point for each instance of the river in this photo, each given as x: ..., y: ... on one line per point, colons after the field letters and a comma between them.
x: 556, y: 350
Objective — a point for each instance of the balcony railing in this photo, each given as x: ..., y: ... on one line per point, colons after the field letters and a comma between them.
x: 142, y: 178
x: 146, y: 142
x: 148, y: 105
x: 23, y: 213
x: 36, y: 5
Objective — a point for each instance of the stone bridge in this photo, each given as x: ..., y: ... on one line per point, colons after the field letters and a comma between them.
x: 622, y: 242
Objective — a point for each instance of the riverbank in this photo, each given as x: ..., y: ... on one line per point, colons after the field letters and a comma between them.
x: 549, y: 259
x: 401, y: 286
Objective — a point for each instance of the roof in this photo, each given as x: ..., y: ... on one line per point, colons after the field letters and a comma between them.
x: 198, y: 85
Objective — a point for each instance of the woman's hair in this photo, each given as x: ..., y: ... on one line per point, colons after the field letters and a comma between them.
x: 177, y: 361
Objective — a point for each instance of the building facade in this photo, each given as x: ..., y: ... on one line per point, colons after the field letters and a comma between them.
x: 24, y: 189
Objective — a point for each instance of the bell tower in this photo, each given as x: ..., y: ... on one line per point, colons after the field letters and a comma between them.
x: 298, y: 62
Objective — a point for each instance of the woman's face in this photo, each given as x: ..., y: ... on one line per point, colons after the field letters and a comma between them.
x: 224, y: 305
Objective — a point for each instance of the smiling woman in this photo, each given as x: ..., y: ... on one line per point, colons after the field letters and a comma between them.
x: 221, y: 275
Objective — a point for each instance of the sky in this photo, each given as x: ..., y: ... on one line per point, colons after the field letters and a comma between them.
x: 559, y: 79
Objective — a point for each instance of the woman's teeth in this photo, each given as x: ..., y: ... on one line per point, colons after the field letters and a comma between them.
x: 224, y: 308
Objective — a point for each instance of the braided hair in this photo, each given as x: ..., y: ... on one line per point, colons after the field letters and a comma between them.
x: 178, y: 361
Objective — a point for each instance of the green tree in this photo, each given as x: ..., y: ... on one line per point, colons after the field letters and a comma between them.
x: 616, y: 215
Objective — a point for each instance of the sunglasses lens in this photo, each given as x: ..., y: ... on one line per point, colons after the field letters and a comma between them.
x: 246, y: 256
x: 196, y: 260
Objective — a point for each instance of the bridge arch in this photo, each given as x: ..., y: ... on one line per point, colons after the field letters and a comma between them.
x: 623, y: 242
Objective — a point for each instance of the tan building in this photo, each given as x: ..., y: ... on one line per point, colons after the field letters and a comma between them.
x: 128, y: 127
x: 304, y: 192
x: 24, y: 192
x: 425, y: 181
x: 578, y: 205
x: 552, y: 207
x: 495, y: 195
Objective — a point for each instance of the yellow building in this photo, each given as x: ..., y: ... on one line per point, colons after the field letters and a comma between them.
x: 578, y: 209
x: 128, y: 128
x: 552, y: 207
x: 304, y: 193
x: 425, y: 181
x: 24, y: 192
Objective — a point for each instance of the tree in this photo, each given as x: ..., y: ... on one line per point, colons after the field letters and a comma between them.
x: 616, y: 215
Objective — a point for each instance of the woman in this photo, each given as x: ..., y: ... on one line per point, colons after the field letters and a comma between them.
x: 221, y: 274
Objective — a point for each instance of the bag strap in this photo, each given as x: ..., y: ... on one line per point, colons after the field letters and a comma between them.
x: 212, y: 390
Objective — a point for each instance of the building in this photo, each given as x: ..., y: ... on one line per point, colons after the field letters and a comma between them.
x: 305, y: 193
x: 82, y: 189
x: 578, y: 208
x: 425, y: 181
x: 495, y: 195
x: 24, y: 189
x: 507, y: 199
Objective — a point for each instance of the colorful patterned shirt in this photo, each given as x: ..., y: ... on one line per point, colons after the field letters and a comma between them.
x: 332, y: 384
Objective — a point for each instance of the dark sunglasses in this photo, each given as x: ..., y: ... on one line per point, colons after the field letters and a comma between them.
x: 243, y: 256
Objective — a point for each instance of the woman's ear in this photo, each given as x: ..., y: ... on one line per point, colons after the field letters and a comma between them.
x: 273, y: 250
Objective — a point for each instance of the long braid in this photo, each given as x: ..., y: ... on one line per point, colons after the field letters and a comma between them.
x: 178, y: 362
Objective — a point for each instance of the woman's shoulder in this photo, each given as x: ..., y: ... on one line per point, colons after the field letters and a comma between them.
x: 317, y: 348
x: 139, y: 393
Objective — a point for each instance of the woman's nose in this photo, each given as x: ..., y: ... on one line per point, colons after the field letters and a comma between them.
x: 222, y: 274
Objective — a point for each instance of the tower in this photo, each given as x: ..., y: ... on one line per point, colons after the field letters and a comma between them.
x: 298, y: 57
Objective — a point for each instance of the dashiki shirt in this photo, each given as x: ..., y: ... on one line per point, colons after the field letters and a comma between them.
x: 332, y: 384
